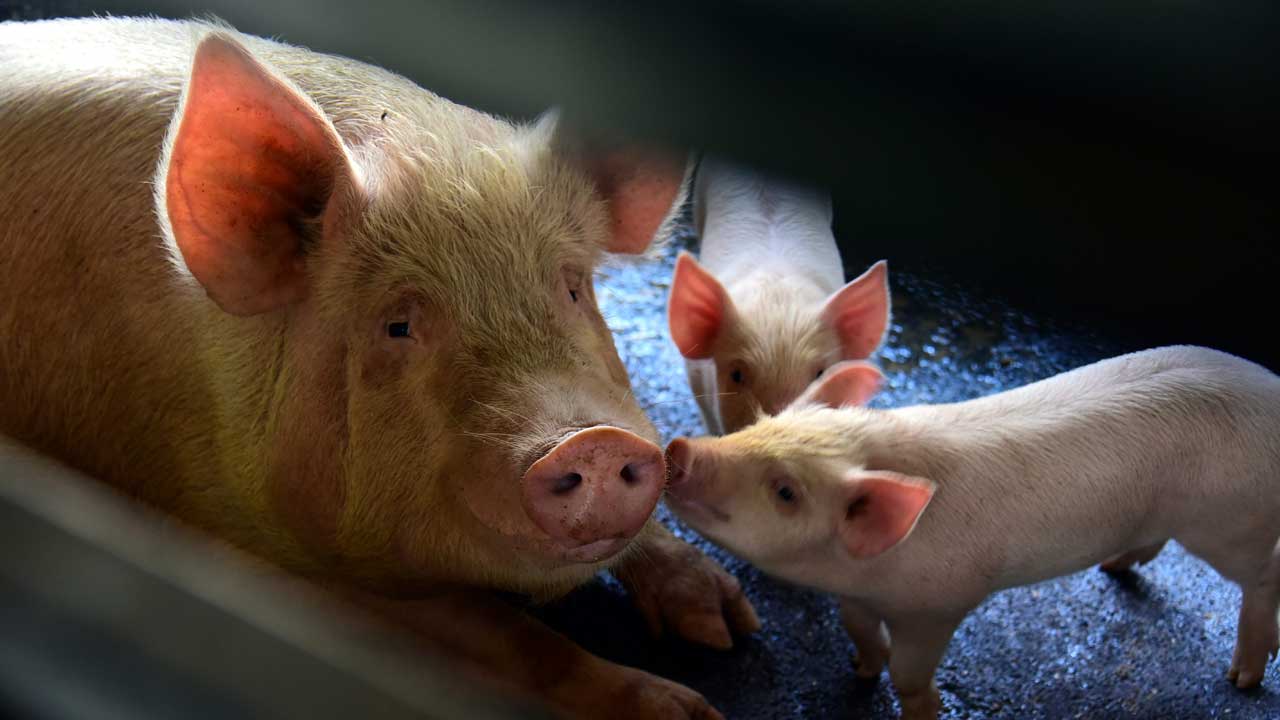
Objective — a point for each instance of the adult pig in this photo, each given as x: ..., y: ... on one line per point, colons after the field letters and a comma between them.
x: 346, y: 325
x: 765, y: 312
x: 914, y: 516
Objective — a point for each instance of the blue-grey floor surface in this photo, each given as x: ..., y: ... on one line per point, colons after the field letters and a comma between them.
x: 1154, y: 643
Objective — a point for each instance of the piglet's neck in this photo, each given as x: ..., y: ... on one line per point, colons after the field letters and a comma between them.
x: 906, y: 440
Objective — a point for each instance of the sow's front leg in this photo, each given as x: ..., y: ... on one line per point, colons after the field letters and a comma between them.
x: 675, y: 586
x: 498, y: 642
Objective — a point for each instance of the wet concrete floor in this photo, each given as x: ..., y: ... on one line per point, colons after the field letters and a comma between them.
x: 1153, y: 644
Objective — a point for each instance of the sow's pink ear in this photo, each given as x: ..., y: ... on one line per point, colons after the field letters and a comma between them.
x: 859, y: 312
x: 642, y: 187
x: 698, y: 308
x: 252, y: 160
x: 852, y: 382
x: 882, y: 510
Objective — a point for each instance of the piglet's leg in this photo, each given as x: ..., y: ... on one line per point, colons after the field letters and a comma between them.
x: 868, y: 635
x: 498, y: 642
x: 1137, y: 556
x: 1257, y: 635
x: 918, y: 646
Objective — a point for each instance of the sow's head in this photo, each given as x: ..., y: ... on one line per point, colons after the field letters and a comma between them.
x: 439, y: 397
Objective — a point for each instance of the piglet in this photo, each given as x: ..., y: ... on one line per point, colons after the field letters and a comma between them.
x: 913, y: 516
x: 765, y: 313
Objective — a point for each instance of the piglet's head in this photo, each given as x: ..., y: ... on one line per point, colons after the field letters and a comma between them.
x: 793, y: 492
x: 409, y: 284
x: 772, y: 343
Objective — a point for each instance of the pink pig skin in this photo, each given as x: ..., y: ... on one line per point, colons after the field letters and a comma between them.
x: 766, y: 309
x: 913, y: 516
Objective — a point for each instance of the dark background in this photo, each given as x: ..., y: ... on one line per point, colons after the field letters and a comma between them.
x: 1109, y: 163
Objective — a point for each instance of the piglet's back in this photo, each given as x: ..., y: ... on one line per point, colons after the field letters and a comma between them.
x: 1129, y: 450
x: 748, y: 222
x: 1180, y: 383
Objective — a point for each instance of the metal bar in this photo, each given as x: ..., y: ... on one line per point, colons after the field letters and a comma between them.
x: 109, y: 610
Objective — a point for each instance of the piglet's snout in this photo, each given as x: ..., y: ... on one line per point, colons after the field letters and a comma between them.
x: 678, y: 461
x: 598, y: 484
x: 682, y: 480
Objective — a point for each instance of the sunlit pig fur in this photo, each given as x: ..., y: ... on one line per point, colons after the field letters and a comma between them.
x: 209, y: 326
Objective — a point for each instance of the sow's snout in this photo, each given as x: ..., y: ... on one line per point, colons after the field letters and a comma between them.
x: 594, y: 490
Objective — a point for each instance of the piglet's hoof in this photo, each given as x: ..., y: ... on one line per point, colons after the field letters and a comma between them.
x: 921, y: 706
x: 1247, y: 673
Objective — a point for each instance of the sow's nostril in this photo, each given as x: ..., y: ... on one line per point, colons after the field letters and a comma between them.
x: 566, y: 484
x: 628, y: 475
x: 599, y: 483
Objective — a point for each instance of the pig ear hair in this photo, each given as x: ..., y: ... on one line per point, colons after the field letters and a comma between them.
x: 882, y: 510
x: 643, y: 187
x: 250, y: 162
x: 698, y: 309
x: 853, y: 382
x: 859, y: 312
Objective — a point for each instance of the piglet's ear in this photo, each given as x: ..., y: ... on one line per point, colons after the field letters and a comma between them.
x: 859, y: 312
x: 698, y: 310
x: 250, y: 162
x: 642, y: 186
x: 882, y: 510
x: 848, y: 383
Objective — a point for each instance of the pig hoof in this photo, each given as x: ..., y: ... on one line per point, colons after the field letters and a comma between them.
x: 922, y: 706
x: 1244, y: 677
x: 1248, y: 679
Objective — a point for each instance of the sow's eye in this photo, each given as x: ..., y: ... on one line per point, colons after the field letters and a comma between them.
x: 403, y: 320
x: 573, y: 280
x: 819, y: 373
x: 786, y: 494
x: 738, y: 373
x: 407, y: 331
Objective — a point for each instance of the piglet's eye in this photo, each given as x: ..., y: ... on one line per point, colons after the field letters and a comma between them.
x: 573, y: 295
x: 786, y: 494
x: 736, y: 377
x: 398, y: 329
x: 819, y: 373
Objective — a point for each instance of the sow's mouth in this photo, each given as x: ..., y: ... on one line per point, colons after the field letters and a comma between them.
x: 593, y: 552
x: 591, y: 489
